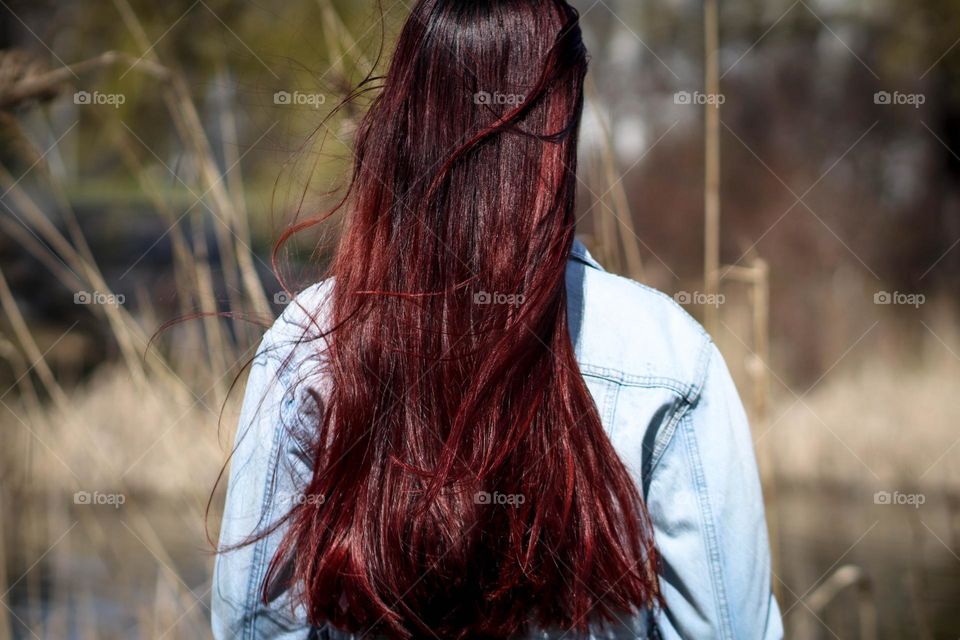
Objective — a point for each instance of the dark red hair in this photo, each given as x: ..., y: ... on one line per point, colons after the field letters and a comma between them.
x: 469, y: 489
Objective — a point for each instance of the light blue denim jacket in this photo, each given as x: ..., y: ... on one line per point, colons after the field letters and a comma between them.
x: 669, y: 406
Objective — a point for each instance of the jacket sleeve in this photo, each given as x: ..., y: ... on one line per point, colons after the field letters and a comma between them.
x: 707, y: 509
x: 267, y: 472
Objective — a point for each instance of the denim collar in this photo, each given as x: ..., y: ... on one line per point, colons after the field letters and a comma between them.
x: 579, y: 252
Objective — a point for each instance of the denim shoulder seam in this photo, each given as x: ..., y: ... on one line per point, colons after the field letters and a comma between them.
x: 711, y: 541
x: 689, y: 391
x: 623, y: 379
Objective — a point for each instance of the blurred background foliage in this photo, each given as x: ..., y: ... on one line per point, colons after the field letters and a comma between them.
x: 174, y: 198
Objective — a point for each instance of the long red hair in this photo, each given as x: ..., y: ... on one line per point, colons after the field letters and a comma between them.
x: 469, y: 489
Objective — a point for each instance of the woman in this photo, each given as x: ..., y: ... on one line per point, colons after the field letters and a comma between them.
x: 470, y: 429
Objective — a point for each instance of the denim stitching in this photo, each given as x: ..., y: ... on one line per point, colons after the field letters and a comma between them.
x: 665, y: 437
x: 613, y: 397
x: 710, y: 534
x: 632, y: 380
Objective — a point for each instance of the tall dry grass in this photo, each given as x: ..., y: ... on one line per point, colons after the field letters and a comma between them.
x: 886, y: 419
x: 142, y: 433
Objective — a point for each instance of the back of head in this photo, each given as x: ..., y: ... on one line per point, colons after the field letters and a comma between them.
x: 469, y: 488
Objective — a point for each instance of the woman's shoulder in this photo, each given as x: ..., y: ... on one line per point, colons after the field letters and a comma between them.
x: 633, y: 333
x: 294, y: 346
x: 304, y: 319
